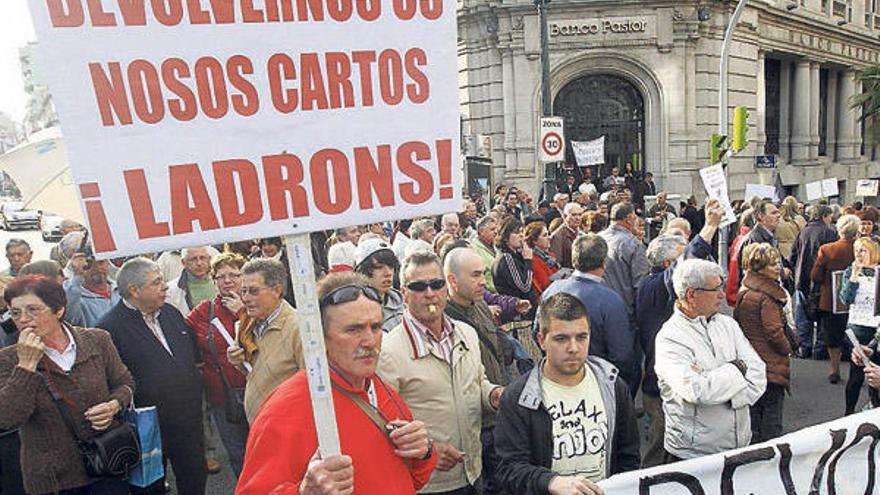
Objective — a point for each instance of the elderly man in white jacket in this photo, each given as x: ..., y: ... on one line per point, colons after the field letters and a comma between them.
x: 708, y: 372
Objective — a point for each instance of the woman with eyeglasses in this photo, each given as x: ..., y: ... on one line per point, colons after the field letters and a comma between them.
x: 222, y: 380
x: 81, y: 366
x: 761, y: 315
x: 512, y: 270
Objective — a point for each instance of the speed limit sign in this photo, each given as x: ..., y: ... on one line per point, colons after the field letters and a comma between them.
x: 551, y: 147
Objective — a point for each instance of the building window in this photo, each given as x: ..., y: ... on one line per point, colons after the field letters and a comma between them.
x: 823, y: 111
x: 772, y: 69
x: 842, y: 9
x: 872, y: 16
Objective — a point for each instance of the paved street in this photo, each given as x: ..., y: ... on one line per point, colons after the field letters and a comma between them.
x: 813, y: 400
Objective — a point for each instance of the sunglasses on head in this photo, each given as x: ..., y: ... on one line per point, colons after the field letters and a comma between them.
x: 348, y: 293
x: 422, y: 285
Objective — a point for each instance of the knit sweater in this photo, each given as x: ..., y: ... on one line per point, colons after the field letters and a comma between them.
x: 50, y: 460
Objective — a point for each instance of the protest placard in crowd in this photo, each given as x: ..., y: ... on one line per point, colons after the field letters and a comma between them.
x: 835, y: 457
x: 238, y: 120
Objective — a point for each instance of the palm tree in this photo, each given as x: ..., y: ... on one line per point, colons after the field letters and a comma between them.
x: 869, y: 100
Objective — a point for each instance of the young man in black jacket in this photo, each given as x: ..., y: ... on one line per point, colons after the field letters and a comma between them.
x: 570, y: 422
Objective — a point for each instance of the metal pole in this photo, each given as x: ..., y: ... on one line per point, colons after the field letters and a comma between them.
x: 722, y: 109
x: 546, y: 104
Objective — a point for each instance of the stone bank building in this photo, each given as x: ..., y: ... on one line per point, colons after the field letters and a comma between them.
x: 645, y: 75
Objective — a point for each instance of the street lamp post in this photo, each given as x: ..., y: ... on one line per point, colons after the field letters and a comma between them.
x: 549, y: 184
x: 722, y: 107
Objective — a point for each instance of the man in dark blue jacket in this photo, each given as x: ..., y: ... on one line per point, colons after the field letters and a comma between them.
x: 157, y: 346
x: 611, y: 336
x: 570, y: 422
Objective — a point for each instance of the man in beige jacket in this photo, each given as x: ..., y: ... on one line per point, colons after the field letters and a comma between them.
x: 268, y: 338
x: 434, y: 363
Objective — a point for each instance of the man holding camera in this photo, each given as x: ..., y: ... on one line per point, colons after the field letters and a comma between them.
x: 90, y: 293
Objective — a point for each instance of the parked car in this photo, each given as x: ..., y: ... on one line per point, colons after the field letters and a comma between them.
x: 14, y: 216
x: 50, y: 226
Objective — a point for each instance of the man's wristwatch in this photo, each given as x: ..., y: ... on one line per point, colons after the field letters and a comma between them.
x: 430, y: 451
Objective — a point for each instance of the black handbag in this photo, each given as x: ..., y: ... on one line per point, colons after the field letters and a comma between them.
x: 110, y: 454
x: 233, y: 401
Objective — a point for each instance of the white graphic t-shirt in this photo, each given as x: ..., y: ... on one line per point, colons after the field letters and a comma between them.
x: 580, y: 427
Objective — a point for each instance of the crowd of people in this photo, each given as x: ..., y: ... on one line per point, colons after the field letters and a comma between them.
x: 495, y: 350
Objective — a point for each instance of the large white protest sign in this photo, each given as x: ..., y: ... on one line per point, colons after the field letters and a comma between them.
x: 192, y: 123
x: 588, y: 153
x: 716, y: 188
x: 839, y: 457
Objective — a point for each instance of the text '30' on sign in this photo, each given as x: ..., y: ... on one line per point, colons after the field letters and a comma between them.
x: 220, y: 121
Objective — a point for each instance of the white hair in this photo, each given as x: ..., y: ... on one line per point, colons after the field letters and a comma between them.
x: 664, y: 248
x: 448, y: 218
x: 848, y: 226
x: 692, y: 274
x: 570, y: 207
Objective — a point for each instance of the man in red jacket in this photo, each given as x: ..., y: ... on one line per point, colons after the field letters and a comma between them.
x: 388, y: 455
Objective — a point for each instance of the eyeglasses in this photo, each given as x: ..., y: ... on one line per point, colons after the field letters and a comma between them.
x: 228, y: 276
x: 716, y: 289
x: 251, y: 291
x: 422, y: 285
x: 32, y: 310
x: 348, y: 293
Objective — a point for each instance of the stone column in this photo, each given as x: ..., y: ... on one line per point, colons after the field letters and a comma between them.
x: 814, y: 110
x: 800, y: 112
x: 831, y: 116
x: 846, y: 144
x: 508, y: 82
x: 785, y: 108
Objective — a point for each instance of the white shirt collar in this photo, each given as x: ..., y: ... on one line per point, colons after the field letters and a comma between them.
x: 66, y: 358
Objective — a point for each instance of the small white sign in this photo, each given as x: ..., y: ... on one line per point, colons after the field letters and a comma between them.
x: 588, y: 153
x: 814, y: 190
x: 829, y: 187
x: 716, y: 186
x: 760, y: 190
x: 867, y: 187
x: 551, y: 146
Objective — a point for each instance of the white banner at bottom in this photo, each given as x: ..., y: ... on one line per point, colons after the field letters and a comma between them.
x: 835, y: 458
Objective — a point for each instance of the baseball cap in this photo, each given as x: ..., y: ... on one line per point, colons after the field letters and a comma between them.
x: 369, y: 247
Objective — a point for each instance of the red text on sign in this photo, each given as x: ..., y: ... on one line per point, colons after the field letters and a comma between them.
x: 141, y: 91
x: 108, y: 13
x: 329, y: 182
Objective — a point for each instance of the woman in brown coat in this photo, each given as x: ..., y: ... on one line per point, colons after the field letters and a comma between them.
x: 832, y: 257
x: 760, y: 313
x: 82, y: 366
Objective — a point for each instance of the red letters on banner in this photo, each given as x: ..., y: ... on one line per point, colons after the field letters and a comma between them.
x: 103, y: 13
x: 144, y: 92
x: 287, y: 189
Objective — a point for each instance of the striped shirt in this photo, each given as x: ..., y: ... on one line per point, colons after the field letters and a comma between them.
x: 424, y: 340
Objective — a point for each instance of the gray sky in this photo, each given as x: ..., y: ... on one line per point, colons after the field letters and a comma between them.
x: 16, y: 30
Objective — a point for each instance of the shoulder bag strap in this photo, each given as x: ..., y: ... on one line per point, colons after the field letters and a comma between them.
x: 213, y: 348
x: 366, y: 408
x: 63, y: 408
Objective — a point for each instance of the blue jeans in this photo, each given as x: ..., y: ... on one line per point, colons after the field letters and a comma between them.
x: 234, y: 438
x: 805, y: 327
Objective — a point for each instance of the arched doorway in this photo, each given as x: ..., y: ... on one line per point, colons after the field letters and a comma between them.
x: 607, y: 105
